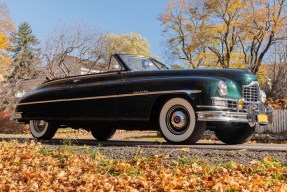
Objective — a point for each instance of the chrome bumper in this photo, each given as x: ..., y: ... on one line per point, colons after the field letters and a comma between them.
x: 223, y: 116
x: 235, y: 117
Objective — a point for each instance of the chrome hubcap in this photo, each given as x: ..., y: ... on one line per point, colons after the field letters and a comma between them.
x: 39, y: 125
x: 177, y: 119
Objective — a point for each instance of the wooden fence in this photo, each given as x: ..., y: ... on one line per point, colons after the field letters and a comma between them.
x: 279, y: 124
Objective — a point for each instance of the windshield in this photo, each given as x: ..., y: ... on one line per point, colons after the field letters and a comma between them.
x: 139, y: 63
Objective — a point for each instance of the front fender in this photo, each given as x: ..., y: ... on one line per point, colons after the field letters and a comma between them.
x: 210, y: 90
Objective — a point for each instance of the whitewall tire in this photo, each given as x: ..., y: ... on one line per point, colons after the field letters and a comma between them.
x: 178, y: 123
x: 42, y: 130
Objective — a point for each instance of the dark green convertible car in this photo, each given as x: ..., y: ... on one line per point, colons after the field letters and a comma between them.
x: 137, y: 92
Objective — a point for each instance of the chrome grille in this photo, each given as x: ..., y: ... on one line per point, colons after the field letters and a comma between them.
x: 251, y: 92
x: 232, y: 104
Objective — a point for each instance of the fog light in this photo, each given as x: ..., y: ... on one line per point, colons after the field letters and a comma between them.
x: 240, y: 104
x: 219, y: 103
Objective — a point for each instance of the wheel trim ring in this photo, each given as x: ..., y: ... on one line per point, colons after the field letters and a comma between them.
x: 39, y: 128
x: 169, y: 116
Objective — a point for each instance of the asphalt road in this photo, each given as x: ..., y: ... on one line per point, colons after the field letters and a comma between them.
x: 155, y: 144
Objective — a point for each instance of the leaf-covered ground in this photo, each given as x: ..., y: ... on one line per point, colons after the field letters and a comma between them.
x: 32, y: 167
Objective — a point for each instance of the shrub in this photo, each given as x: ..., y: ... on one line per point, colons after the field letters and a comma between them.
x: 278, y: 103
x: 9, y: 126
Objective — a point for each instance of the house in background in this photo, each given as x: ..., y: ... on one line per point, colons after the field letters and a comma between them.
x: 27, y: 85
x: 72, y: 66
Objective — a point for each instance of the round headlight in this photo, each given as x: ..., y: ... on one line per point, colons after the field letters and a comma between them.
x: 262, y: 96
x: 222, y: 88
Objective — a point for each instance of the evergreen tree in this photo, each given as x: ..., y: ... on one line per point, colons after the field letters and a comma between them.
x: 25, y: 52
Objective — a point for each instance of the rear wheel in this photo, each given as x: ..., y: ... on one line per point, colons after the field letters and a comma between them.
x: 178, y: 123
x: 42, y: 130
x: 103, y: 134
x: 238, y: 135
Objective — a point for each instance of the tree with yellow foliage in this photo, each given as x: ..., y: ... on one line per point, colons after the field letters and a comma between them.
x: 223, y: 30
x: 6, y: 27
x: 204, y: 33
x: 4, y: 47
x: 184, y: 23
x: 131, y: 43
x: 110, y: 44
x: 263, y: 24
x: 223, y: 33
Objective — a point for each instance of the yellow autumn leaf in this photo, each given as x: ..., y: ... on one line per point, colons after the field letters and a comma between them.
x: 184, y: 149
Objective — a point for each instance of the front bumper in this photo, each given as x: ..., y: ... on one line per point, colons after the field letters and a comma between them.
x: 254, y: 115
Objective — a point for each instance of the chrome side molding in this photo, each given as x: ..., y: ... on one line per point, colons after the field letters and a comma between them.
x: 189, y: 92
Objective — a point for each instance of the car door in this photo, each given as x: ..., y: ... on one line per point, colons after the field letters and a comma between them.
x: 135, y: 101
x: 93, y: 97
x: 135, y: 98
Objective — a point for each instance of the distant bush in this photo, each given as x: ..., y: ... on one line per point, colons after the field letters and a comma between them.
x: 280, y: 104
x: 9, y: 126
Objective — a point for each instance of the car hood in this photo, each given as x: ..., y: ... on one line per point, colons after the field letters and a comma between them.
x: 240, y: 76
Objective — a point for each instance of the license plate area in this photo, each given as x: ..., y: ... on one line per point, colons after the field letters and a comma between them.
x: 262, y: 118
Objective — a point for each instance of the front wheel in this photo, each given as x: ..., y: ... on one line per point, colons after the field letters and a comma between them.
x: 42, y: 130
x: 238, y: 135
x: 103, y: 134
x: 178, y: 123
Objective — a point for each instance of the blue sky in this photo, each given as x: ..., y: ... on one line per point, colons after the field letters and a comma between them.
x: 115, y: 16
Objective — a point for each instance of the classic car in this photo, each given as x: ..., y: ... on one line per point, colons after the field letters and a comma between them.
x: 140, y: 93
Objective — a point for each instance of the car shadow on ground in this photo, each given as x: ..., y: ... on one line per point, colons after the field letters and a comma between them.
x: 92, y: 142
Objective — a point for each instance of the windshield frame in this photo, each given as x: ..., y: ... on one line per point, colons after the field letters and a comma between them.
x: 137, y: 56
